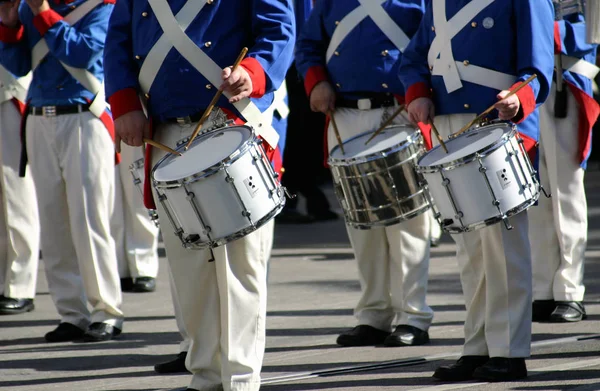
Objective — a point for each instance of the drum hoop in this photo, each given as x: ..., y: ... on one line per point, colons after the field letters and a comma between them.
x: 411, y: 139
x: 483, y: 152
x: 211, y: 170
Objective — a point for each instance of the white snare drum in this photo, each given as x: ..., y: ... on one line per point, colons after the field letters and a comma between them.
x: 485, y: 177
x: 220, y: 190
x: 137, y: 172
x: 376, y: 183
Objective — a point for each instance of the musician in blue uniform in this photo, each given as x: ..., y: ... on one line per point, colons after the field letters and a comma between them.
x: 465, y: 57
x: 348, y: 54
x: 71, y: 155
x: 558, y: 226
x: 177, y: 54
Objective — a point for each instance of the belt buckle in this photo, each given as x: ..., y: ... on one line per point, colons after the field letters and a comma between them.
x: 49, y: 111
x: 184, y: 122
x: 363, y: 104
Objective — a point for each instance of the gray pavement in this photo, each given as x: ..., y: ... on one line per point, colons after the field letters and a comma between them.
x: 313, y: 289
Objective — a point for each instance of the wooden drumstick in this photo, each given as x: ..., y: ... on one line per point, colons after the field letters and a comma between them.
x: 214, y: 100
x: 437, y: 134
x: 489, y: 109
x: 386, y: 123
x: 161, y: 146
x: 337, y: 132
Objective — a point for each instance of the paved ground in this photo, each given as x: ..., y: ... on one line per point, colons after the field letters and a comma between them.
x: 313, y: 289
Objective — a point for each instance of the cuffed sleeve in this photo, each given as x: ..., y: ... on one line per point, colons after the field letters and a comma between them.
x: 124, y: 101
x: 314, y: 76
x: 416, y: 91
x: 257, y: 75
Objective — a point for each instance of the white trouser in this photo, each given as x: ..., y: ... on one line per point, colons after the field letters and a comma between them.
x: 19, y: 224
x: 436, y: 228
x: 495, y: 273
x: 135, y: 234
x: 71, y: 158
x: 393, y: 262
x: 223, y: 303
x: 558, y: 225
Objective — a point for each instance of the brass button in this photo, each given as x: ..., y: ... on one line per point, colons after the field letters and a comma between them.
x: 466, y: 62
x: 432, y: 28
x: 72, y: 6
x: 384, y: 85
x: 467, y: 106
x: 59, y: 87
x: 338, y: 85
x: 208, y: 86
x: 474, y: 24
x: 207, y: 44
x: 209, y: 2
x: 431, y: 68
x: 337, y: 22
x: 147, y: 96
x: 384, y: 53
x: 144, y: 14
x: 137, y: 57
x: 336, y: 53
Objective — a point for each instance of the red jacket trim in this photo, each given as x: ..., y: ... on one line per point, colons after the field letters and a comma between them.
x: 557, y: 39
x: 124, y: 101
x: 45, y: 20
x: 11, y: 34
x: 19, y: 105
x: 527, y: 101
x: 417, y: 90
x: 314, y: 76
x: 257, y: 75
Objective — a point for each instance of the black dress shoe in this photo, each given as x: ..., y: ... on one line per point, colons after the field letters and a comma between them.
x: 64, y: 332
x: 362, y: 335
x: 126, y: 284
x: 98, y: 332
x: 500, y: 369
x: 407, y: 335
x: 568, y: 311
x: 174, y: 366
x: 541, y: 310
x: 144, y: 284
x: 461, y: 370
x: 10, y: 306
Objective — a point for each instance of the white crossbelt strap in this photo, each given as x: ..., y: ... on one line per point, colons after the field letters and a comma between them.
x: 441, y: 46
x: 11, y: 87
x: 580, y: 67
x: 279, y: 104
x: 374, y: 10
x: 479, y: 75
x: 83, y: 76
x: 177, y: 38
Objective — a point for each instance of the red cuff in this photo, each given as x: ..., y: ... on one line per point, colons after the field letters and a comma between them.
x: 557, y: 39
x: 417, y: 90
x: 400, y: 99
x: 46, y: 19
x: 314, y: 76
x: 257, y: 75
x: 527, y: 101
x: 11, y: 34
x: 124, y: 101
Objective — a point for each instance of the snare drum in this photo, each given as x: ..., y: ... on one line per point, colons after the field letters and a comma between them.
x: 485, y: 178
x: 137, y: 172
x: 377, y: 184
x: 220, y: 190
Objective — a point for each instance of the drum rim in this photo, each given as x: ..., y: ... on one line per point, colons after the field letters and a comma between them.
x: 376, y: 155
x: 211, y: 170
x: 483, y: 152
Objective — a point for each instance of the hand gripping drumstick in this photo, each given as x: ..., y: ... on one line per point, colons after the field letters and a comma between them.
x: 337, y: 132
x: 489, y: 109
x: 213, y: 102
x: 161, y: 146
x: 386, y: 123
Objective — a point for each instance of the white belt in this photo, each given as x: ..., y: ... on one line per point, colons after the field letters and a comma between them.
x: 175, y: 36
x: 580, y: 67
x: 479, y: 75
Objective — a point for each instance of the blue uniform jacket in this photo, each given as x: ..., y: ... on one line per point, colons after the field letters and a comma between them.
x: 80, y: 46
x: 514, y: 37
x: 366, y: 61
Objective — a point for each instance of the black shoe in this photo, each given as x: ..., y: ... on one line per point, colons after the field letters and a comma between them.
x: 407, y: 335
x: 292, y: 216
x: 143, y: 284
x: 461, y: 370
x: 568, y: 311
x: 10, y: 306
x: 98, y: 332
x: 362, y: 335
x: 541, y: 310
x: 126, y: 284
x: 500, y: 369
x: 64, y: 332
x: 174, y: 366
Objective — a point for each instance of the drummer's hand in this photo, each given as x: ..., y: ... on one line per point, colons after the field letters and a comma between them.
x: 507, y: 108
x: 237, y: 83
x: 322, y: 98
x: 38, y: 6
x: 9, y: 13
x: 421, y: 110
x: 131, y: 128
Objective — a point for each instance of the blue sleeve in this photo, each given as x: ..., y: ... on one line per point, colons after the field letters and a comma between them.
x: 414, y: 64
x: 573, y: 37
x: 311, y: 47
x: 81, y: 45
x: 274, y: 27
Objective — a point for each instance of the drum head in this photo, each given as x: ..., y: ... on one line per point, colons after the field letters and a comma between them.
x: 465, y: 145
x: 205, y: 152
x: 387, y: 139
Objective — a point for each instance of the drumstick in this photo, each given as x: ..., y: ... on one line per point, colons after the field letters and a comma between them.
x: 337, y: 132
x: 386, y: 123
x: 161, y: 146
x: 437, y: 134
x: 213, y: 102
x: 489, y: 109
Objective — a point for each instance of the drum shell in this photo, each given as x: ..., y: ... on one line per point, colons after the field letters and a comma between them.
x: 381, y: 189
x: 592, y: 21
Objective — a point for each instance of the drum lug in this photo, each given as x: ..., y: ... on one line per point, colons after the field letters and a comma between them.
x: 229, y: 179
x: 459, y: 215
x: 496, y: 203
x: 446, y: 182
x: 482, y: 170
x: 507, y: 224
x: 246, y: 214
x: 548, y: 195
